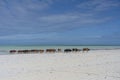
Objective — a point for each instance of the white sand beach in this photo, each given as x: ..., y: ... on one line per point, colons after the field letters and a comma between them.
x: 94, y: 65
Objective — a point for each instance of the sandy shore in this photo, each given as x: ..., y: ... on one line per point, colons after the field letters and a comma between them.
x: 94, y: 65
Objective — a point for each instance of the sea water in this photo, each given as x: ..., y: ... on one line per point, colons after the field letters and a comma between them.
x: 6, y: 49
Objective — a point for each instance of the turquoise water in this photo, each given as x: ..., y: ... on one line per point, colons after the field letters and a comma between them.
x: 5, y: 49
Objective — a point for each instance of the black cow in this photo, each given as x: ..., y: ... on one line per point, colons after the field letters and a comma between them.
x: 75, y: 50
x: 12, y: 51
x: 67, y: 50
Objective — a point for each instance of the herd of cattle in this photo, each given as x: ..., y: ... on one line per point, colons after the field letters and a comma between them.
x: 50, y: 50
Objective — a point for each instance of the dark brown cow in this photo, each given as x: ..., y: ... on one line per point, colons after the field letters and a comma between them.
x: 35, y: 51
x: 12, y: 51
x: 51, y: 50
x: 20, y: 51
x: 41, y: 51
x: 25, y: 51
x: 86, y: 49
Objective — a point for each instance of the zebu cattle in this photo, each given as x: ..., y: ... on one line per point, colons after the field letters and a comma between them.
x: 59, y: 50
x: 23, y: 51
x: 76, y: 50
x: 34, y: 51
x: 67, y: 50
x: 26, y: 51
x: 12, y: 51
x: 41, y: 51
x: 51, y: 50
x: 86, y: 49
x: 20, y: 51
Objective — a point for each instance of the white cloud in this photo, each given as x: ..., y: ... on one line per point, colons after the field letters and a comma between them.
x: 42, y: 36
x: 73, y: 19
x: 99, y: 5
x: 23, y: 7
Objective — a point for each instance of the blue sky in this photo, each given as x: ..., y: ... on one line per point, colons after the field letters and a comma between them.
x: 65, y: 22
